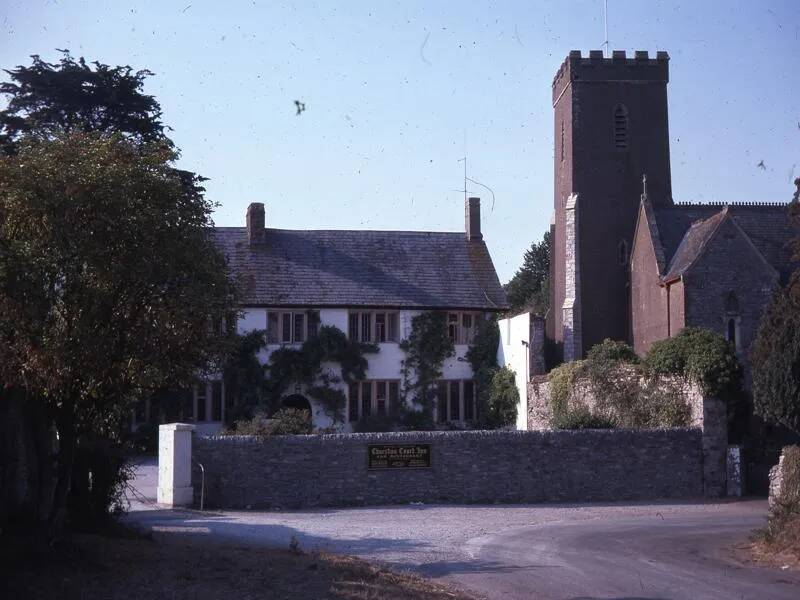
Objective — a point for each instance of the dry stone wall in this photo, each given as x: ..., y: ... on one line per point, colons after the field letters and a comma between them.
x: 707, y: 414
x: 466, y: 467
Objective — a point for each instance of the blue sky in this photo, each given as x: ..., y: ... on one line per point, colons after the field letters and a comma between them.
x: 393, y: 90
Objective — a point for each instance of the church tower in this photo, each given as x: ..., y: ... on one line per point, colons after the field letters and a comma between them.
x: 610, y: 131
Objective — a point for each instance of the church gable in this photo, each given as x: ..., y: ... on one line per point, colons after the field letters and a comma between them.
x: 648, y: 298
x: 728, y: 283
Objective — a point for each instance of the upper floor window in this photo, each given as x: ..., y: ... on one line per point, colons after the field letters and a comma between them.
x: 373, y: 326
x: 291, y: 327
x: 620, y: 127
x: 562, y: 141
x: 461, y: 327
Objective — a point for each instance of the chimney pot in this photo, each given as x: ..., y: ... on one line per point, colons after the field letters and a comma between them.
x: 473, y: 219
x: 255, y: 222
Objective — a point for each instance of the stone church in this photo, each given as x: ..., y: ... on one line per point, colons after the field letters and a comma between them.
x: 629, y: 263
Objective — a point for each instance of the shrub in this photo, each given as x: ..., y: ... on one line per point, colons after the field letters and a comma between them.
x: 776, y: 363
x: 100, y: 474
x: 144, y: 439
x: 612, y: 351
x: 563, y: 381
x: 700, y: 355
x: 582, y: 418
x: 501, y: 410
x: 286, y: 421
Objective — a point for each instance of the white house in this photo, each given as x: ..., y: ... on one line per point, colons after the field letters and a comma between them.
x: 522, y: 350
x: 369, y: 284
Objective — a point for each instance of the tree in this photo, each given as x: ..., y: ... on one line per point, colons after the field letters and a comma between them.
x: 46, y: 99
x: 530, y: 287
x: 776, y: 363
x: 775, y: 356
x: 110, y: 283
x: 503, y: 399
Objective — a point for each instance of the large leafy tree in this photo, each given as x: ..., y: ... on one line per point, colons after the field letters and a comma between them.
x: 109, y: 284
x: 529, y: 288
x: 776, y: 351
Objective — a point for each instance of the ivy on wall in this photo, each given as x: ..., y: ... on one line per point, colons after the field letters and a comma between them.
x: 262, y: 386
x: 426, y: 349
x: 622, y: 392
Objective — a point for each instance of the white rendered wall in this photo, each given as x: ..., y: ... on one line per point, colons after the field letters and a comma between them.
x: 386, y: 364
x: 514, y: 354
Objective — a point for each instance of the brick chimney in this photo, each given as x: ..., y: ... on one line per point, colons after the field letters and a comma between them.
x: 255, y: 222
x: 472, y: 218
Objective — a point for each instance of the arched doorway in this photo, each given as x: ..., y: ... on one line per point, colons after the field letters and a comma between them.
x: 298, y: 402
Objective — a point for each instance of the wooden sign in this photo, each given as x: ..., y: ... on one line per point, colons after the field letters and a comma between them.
x: 398, y: 456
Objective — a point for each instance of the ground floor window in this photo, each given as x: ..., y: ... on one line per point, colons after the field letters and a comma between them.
x: 455, y: 400
x: 204, y: 402
x: 378, y: 397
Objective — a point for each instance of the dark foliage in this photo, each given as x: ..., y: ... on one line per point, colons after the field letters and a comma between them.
x: 501, y: 409
x: 775, y: 360
x: 108, y: 283
x: 73, y: 95
x: 244, y: 375
x: 529, y: 287
x: 610, y: 350
x: 701, y: 355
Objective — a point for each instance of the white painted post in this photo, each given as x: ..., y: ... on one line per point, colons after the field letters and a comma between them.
x: 175, y: 464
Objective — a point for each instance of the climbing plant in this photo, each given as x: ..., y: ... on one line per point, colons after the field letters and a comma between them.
x: 612, y: 389
x: 309, y: 366
x: 260, y: 387
x: 482, y: 357
x: 426, y: 349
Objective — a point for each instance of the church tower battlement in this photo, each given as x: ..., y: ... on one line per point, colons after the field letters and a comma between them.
x: 611, y: 128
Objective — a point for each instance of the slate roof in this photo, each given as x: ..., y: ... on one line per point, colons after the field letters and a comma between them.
x: 402, y: 269
x: 684, y: 230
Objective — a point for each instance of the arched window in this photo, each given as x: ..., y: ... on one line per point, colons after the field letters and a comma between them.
x: 620, y: 127
x: 732, y: 320
x: 622, y: 252
x: 732, y: 332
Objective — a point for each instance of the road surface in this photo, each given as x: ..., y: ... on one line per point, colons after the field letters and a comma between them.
x: 620, y: 551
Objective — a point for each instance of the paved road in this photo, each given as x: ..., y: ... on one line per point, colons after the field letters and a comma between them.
x: 633, y: 551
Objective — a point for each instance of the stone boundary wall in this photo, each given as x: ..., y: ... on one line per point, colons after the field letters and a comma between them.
x: 707, y: 413
x: 466, y: 467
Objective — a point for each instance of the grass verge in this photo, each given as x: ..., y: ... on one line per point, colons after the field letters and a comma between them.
x: 195, y: 568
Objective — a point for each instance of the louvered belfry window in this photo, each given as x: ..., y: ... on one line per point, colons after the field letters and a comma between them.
x: 621, y: 127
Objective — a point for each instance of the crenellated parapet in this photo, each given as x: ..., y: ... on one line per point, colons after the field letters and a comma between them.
x: 736, y: 204
x: 619, y: 67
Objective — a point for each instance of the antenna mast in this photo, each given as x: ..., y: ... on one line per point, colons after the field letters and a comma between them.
x: 605, y: 22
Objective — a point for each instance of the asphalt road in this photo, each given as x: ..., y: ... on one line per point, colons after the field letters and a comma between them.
x: 625, y: 551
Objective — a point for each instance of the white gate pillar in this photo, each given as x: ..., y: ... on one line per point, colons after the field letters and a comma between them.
x: 175, y: 464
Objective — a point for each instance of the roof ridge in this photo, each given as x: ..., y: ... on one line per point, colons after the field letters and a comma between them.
x: 720, y: 203
x: 243, y: 228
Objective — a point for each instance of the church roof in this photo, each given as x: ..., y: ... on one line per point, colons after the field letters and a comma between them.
x: 693, y: 243
x: 411, y: 269
x: 684, y: 230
